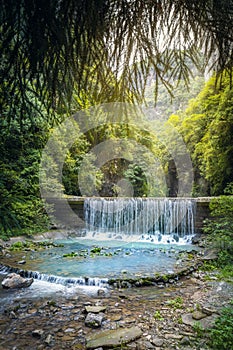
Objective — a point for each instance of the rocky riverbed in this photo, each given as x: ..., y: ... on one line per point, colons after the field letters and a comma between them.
x: 143, y: 318
x: 169, y: 315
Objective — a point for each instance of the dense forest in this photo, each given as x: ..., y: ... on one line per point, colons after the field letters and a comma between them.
x: 61, y: 57
x: 206, y: 125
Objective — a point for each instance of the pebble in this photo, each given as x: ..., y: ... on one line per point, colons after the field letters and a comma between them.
x: 22, y: 262
x: 37, y: 333
x: 48, y: 339
x: 185, y: 341
x: 157, y: 341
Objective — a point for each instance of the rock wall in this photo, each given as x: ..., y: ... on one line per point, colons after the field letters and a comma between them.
x: 202, y: 213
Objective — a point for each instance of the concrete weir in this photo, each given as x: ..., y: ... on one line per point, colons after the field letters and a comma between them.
x: 70, y: 210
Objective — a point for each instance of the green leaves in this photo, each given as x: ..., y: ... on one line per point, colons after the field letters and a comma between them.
x: 207, y: 128
x: 221, y: 225
x: 49, y: 48
x: 21, y: 210
x: 221, y: 335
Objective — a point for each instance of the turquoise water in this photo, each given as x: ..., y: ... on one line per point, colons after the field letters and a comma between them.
x: 111, y: 259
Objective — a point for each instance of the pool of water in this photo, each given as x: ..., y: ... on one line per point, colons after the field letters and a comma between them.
x: 104, y: 259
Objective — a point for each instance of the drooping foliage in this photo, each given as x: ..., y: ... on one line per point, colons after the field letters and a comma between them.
x: 48, y: 47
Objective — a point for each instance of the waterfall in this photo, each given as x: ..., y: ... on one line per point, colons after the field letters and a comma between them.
x: 140, y: 216
x: 65, y: 281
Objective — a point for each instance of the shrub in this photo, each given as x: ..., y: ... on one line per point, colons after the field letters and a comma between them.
x: 221, y: 335
x: 221, y: 225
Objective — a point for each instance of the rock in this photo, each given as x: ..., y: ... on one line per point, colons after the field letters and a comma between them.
x: 185, y: 341
x: 32, y: 311
x: 176, y: 238
x: 12, y: 315
x: 22, y: 262
x: 49, y: 339
x: 66, y: 338
x: 173, y: 336
x: 144, y: 345
x: 196, y: 275
x: 132, y: 346
x: 208, y: 310
x: 196, y: 239
x: 118, y: 237
x: 129, y: 320
x: 210, y: 255
x: 101, y: 292
x: 94, y: 320
x: 14, y: 280
x: 37, y: 333
x: 205, y: 323
x: 95, y: 309
x: 113, y: 338
x: 157, y: 341
x: 115, y: 317
x: 198, y: 315
x: 69, y: 330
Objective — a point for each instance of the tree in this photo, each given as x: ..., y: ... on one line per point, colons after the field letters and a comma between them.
x: 50, y: 46
x: 207, y: 128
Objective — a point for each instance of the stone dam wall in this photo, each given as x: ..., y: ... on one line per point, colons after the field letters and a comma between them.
x: 71, y: 214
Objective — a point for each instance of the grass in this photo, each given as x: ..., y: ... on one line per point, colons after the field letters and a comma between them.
x: 176, y: 303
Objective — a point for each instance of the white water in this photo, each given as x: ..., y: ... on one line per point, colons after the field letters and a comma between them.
x: 137, y: 219
x: 62, y: 281
x: 44, y: 289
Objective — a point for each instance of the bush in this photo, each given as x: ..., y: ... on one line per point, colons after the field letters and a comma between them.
x: 221, y: 335
x: 221, y: 225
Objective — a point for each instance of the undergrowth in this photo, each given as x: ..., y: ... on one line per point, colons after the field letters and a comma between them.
x: 221, y: 335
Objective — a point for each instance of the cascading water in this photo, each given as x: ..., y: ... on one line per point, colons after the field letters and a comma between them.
x: 164, y: 220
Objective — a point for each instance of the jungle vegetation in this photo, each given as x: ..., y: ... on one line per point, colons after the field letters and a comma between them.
x: 59, y: 56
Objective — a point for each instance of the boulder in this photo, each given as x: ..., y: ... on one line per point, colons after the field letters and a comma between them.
x: 13, y: 280
x: 196, y: 239
x: 113, y: 338
x: 94, y: 320
x: 198, y: 315
x: 205, y: 323
x: 211, y: 254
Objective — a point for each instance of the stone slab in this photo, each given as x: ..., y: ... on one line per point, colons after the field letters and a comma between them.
x: 95, y: 309
x: 113, y: 338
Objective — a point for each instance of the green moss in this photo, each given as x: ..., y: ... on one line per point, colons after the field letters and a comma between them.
x: 70, y: 255
x: 30, y: 245
x: 95, y: 250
